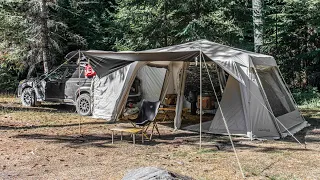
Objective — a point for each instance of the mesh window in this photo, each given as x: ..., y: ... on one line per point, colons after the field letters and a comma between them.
x: 277, y: 96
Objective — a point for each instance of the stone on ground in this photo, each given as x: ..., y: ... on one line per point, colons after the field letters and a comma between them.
x: 153, y: 173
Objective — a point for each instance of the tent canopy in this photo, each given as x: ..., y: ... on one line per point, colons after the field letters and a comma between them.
x: 106, y: 62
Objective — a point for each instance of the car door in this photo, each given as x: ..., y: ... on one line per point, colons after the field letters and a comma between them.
x: 55, y: 83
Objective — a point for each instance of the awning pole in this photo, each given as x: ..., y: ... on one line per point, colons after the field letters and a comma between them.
x: 249, y: 102
x: 200, y: 98
x: 79, y: 91
x: 224, y: 120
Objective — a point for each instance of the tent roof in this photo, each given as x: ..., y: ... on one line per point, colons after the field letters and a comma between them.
x: 105, y: 62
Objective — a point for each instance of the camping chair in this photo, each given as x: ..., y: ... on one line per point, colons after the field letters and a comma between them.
x: 147, y: 114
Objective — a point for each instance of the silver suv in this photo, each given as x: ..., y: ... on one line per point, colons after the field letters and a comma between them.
x: 63, y: 85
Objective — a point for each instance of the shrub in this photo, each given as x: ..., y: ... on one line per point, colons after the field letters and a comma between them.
x: 307, y: 98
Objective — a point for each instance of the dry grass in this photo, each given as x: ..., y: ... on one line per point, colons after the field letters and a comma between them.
x: 44, y: 143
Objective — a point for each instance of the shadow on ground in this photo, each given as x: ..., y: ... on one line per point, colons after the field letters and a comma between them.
x: 48, y: 126
x: 74, y: 141
x: 56, y: 108
x: 215, y: 143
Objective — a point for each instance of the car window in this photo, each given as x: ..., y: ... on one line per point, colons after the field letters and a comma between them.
x: 70, y: 72
x: 57, y: 75
x: 75, y: 72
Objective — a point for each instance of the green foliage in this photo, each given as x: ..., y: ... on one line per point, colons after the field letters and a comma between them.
x: 90, y: 21
x: 8, y: 78
x: 150, y: 24
x: 291, y: 30
x: 292, y: 36
x: 72, y: 25
x: 308, y: 98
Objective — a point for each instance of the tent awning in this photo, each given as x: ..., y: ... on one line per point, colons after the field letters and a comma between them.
x: 106, y: 62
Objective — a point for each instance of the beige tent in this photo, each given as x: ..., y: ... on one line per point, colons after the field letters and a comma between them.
x: 255, y: 101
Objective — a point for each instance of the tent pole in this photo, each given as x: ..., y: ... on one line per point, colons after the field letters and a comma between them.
x: 224, y: 121
x: 219, y: 79
x: 200, y: 98
x: 67, y: 60
x: 249, y: 102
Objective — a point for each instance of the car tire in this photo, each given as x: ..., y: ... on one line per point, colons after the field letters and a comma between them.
x: 84, y: 105
x: 28, y: 97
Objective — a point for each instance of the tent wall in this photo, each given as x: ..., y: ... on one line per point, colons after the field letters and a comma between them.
x: 232, y: 109
x: 179, y: 75
x: 107, y: 92
x: 155, y: 83
x: 260, y: 122
x: 151, y: 79
x: 126, y: 89
x: 279, y: 99
x: 263, y: 124
x: 244, y: 108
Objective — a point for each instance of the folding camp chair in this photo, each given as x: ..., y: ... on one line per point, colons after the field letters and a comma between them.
x: 146, y: 116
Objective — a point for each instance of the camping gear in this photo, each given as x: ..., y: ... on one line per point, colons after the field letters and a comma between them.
x: 130, y: 130
x: 249, y: 106
x: 171, y: 99
x: 131, y: 111
x: 207, y: 102
x: 146, y: 116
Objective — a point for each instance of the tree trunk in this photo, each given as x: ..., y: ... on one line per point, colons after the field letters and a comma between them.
x: 166, y: 24
x: 257, y: 6
x: 44, y: 36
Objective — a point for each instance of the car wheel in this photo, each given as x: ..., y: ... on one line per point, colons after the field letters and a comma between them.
x: 28, y: 97
x: 84, y: 105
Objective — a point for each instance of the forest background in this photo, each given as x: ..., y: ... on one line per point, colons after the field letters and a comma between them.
x: 37, y: 34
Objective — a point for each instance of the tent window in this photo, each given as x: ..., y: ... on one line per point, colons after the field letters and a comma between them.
x: 277, y: 96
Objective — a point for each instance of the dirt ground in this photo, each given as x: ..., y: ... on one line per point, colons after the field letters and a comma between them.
x: 45, y: 143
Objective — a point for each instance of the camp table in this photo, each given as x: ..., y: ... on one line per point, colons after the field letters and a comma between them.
x: 131, y: 130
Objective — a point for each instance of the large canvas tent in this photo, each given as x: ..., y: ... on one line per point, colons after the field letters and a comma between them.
x: 255, y: 101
